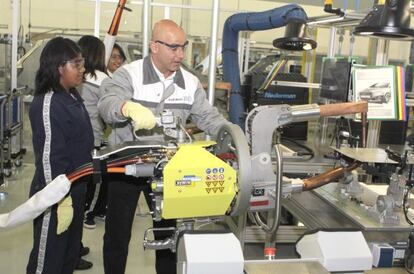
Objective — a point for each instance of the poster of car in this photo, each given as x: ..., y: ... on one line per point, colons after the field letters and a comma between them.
x: 377, y: 86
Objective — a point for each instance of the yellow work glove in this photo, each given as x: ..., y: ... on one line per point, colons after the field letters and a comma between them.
x: 140, y: 115
x: 64, y: 214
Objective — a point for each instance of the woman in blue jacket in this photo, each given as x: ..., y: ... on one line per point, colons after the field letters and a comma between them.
x: 62, y: 141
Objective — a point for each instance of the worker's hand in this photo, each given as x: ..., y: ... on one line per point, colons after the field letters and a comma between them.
x: 64, y: 214
x: 140, y: 115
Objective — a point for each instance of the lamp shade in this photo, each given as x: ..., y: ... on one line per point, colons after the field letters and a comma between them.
x: 389, y: 21
x: 295, y: 38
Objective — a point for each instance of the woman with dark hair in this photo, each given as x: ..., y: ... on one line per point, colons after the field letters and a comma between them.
x: 116, y: 60
x: 62, y: 141
x: 93, y: 50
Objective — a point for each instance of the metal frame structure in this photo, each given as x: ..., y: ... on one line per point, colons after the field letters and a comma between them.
x: 146, y: 19
x: 3, y: 100
x: 12, y: 128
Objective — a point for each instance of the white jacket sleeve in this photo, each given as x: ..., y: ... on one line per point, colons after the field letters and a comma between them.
x: 37, y: 204
x: 204, y: 115
x: 114, y: 92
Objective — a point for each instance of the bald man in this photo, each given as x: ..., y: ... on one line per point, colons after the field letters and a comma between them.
x: 137, y: 93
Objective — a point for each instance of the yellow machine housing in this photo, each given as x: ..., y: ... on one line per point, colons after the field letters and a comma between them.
x: 197, y: 184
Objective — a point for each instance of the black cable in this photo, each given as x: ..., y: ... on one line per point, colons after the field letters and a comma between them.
x: 310, y: 152
x: 349, y: 127
x: 409, y: 254
x: 406, y: 265
x: 403, y: 162
x: 405, y: 208
x: 112, y: 161
x: 29, y: 34
x: 336, y: 132
x: 20, y: 36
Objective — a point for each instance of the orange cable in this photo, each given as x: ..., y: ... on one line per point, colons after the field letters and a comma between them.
x: 110, y: 170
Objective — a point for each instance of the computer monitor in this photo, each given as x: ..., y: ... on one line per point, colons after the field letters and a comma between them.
x: 335, y: 79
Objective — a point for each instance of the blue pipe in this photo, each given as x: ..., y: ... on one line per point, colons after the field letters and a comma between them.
x: 270, y: 19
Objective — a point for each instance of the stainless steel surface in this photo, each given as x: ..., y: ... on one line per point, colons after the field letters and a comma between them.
x: 349, y: 19
x: 146, y: 15
x: 332, y: 38
x: 382, y: 52
x: 301, y: 165
x: 231, y: 139
x: 297, y: 266
x: 366, y: 155
x: 260, y: 137
x: 316, y: 213
x: 351, y: 43
x: 213, y: 52
x: 356, y: 211
x: 15, y: 35
x: 341, y: 41
x: 278, y: 197
x: 374, y: 127
x: 324, y: 20
x: 296, y: 84
x: 284, y: 234
x: 318, y: 164
x: 302, y: 113
x: 97, y: 18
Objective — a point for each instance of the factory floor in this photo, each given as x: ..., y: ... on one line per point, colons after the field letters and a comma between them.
x: 16, y: 243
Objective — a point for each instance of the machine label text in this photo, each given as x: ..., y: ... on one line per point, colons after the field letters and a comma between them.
x: 183, y: 183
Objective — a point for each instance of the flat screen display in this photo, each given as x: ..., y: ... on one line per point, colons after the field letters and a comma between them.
x: 335, y: 79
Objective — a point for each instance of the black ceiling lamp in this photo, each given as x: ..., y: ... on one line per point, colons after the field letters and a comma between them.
x: 295, y: 38
x: 389, y: 21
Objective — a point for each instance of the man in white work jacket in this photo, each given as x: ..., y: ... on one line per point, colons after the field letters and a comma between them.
x: 138, y: 92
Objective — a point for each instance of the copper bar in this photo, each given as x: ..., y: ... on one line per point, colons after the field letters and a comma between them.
x: 113, y: 29
x: 343, y: 108
x: 327, y: 177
